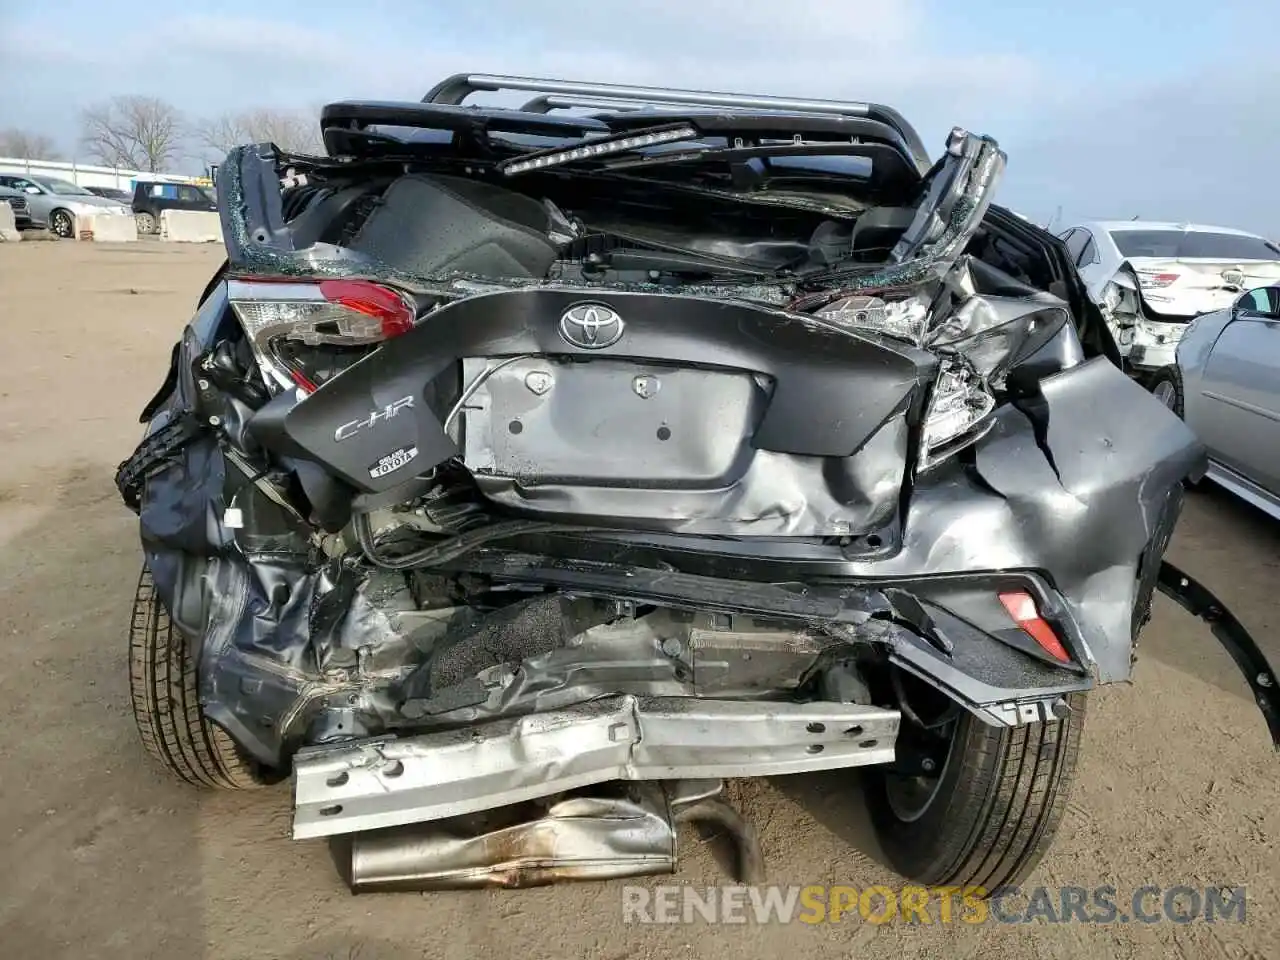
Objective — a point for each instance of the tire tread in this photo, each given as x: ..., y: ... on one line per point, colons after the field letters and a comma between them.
x: 1002, y: 811
x: 166, y: 703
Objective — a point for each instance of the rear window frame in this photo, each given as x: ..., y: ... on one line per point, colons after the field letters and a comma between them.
x: 1186, y: 247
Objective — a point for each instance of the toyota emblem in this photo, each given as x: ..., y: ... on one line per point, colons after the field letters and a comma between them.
x: 591, y: 326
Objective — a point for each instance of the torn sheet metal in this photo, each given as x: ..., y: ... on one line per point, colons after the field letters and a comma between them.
x: 1076, y: 485
x: 298, y: 648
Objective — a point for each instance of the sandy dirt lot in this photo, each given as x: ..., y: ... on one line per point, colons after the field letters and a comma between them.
x: 103, y: 857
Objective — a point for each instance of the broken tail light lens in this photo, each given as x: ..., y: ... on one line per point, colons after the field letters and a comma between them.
x: 994, y: 334
x: 979, y: 344
x: 959, y: 412
x: 303, y: 333
x: 1156, y: 279
x: 1021, y: 607
x: 903, y: 319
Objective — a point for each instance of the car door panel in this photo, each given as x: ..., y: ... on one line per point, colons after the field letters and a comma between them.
x: 1240, y: 397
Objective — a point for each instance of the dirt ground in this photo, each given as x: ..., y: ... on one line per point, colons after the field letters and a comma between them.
x: 103, y: 857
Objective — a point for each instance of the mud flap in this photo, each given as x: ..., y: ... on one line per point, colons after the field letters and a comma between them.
x: 1199, y: 602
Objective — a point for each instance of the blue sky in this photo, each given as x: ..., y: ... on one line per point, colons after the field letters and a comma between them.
x: 1163, y: 110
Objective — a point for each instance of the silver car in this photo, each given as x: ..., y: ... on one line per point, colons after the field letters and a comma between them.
x: 1150, y: 279
x: 57, y: 203
x: 1226, y: 384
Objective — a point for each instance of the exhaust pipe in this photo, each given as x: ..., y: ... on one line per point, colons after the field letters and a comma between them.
x: 630, y: 832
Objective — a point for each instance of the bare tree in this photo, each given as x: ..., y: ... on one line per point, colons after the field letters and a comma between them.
x: 294, y: 131
x: 26, y: 145
x: 138, y: 132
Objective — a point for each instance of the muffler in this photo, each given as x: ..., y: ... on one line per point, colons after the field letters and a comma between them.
x: 617, y: 830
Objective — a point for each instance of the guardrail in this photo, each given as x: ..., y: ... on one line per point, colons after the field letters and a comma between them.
x: 89, y: 175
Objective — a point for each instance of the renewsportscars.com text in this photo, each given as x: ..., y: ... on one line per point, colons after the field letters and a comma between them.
x: 926, y: 905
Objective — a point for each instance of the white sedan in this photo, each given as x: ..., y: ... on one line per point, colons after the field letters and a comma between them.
x: 1151, y: 279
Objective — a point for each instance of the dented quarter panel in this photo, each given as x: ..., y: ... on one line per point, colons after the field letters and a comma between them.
x: 1076, y: 486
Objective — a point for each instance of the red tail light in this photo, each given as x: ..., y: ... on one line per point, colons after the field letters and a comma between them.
x: 393, y: 314
x: 1022, y: 610
x: 1148, y: 278
x: 303, y: 332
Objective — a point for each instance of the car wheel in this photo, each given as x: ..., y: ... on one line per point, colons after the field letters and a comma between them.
x: 1166, y: 386
x: 145, y: 222
x: 62, y: 224
x: 166, y: 706
x: 990, y: 805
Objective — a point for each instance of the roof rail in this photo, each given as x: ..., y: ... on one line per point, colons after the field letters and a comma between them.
x: 549, y: 102
x: 455, y: 89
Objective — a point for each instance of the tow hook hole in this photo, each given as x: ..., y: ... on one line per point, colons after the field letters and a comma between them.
x: 338, y: 779
x: 854, y: 731
x: 664, y: 433
x: 515, y: 426
x: 393, y: 769
x: 332, y: 811
x: 816, y: 727
x: 868, y: 744
x: 813, y: 748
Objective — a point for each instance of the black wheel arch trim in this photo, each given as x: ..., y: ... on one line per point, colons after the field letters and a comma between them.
x: 1231, y: 633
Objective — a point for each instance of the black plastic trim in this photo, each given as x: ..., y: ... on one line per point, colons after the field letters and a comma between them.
x: 1231, y: 633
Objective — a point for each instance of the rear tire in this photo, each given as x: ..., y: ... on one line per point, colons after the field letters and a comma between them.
x: 1166, y: 386
x: 166, y: 706
x: 994, y: 810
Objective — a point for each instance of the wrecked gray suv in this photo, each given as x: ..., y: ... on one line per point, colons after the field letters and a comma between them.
x: 525, y: 473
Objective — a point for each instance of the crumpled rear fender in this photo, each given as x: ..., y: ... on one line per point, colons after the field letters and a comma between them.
x: 1082, y: 484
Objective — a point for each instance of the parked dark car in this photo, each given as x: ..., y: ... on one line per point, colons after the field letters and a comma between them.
x: 111, y: 193
x: 17, y: 201
x: 555, y: 467
x: 152, y: 197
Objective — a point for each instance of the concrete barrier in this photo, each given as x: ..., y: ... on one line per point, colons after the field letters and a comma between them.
x: 9, y: 232
x: 109, y: 228
x: 190, y: 226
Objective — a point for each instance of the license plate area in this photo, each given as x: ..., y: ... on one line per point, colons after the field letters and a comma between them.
x: 609, y: 422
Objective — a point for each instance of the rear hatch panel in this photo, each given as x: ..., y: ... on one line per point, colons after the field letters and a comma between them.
x: 702, y: 416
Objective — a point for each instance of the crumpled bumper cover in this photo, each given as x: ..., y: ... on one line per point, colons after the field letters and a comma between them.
x: 1078, y: 487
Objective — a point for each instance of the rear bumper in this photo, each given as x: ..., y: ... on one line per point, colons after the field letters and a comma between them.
x: 1148, y: 358
x: 950, y: 631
